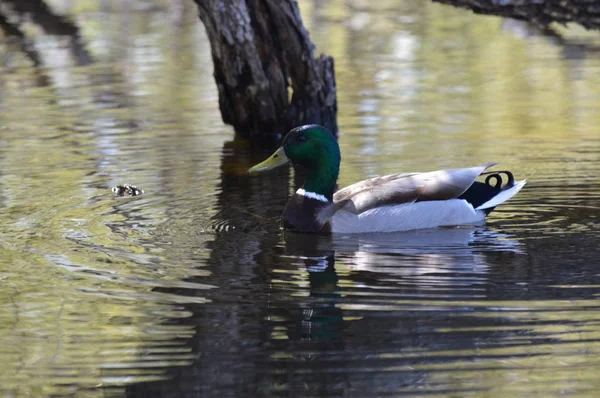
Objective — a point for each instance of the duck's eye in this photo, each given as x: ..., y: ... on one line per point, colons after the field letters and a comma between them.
x: 301, y: 138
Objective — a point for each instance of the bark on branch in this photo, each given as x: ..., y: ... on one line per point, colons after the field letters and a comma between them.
x: 539, y: 12
x: 265, y: 69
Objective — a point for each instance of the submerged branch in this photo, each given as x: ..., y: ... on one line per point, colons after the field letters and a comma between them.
x: 268, y: 77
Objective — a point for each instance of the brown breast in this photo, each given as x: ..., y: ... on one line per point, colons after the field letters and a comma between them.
x: 300, y: 215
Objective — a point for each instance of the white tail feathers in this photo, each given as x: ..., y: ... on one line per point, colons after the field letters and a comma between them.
x: 503, y: 196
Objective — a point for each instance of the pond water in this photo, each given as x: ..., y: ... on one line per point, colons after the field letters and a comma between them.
x: 193, y: 290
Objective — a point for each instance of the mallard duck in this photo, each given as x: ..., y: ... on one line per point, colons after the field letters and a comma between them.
x: 396, y: 202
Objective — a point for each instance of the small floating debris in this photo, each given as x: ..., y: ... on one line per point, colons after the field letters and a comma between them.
x: 127, y: 190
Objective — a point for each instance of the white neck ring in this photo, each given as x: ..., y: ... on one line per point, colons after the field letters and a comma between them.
x: 312, y: 195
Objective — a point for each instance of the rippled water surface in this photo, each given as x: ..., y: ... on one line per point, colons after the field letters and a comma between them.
x: 192, y: 289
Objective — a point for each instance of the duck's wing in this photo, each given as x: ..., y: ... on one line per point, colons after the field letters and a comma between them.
x: 405, y: 188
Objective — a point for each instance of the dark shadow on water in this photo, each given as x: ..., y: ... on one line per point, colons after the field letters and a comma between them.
x: 571, y: 50
x: 38, y: 12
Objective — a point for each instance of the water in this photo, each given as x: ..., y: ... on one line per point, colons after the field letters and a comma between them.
x: 192, y: 289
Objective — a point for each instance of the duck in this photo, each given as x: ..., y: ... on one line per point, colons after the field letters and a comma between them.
x: 390, y: 203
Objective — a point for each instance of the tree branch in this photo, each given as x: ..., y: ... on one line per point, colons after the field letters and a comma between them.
x: 541, y: 13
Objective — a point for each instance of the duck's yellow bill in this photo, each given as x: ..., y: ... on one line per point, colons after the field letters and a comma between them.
x: 275, y: 160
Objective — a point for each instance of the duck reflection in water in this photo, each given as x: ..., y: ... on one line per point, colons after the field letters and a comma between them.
x: 434, y: 251
x: 321, y: 319
x: 380, y: 268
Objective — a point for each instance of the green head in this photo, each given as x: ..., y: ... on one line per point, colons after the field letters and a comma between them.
x: 314, y: 148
